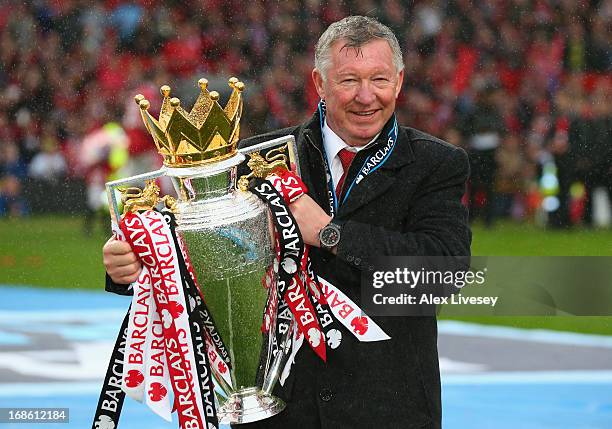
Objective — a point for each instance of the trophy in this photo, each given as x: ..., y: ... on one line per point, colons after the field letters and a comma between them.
x: 227, y: 231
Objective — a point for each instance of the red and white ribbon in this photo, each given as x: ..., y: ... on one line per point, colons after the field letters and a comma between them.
x: 350, y: 315
x: 138, y: 337
x: 152, y: 241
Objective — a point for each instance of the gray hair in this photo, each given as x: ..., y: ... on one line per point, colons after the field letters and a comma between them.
x: 356, y: 31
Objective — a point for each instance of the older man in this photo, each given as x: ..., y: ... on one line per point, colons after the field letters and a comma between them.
x: 375, y: 189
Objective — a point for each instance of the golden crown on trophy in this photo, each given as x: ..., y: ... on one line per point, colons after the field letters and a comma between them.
x: 208, y: 133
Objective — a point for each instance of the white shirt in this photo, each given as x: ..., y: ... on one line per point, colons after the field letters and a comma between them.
x: 334, y: 144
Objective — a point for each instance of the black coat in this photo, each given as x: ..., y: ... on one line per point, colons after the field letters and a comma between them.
x: 411, y: 205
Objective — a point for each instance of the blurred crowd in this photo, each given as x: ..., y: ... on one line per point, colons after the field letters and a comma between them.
x: 523, y: 85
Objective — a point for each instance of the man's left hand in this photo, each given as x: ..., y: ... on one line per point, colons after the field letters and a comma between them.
x: 310, y: 219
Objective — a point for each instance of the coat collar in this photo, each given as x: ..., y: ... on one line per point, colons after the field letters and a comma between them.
x: 403, y: 153
x: 312, y: 152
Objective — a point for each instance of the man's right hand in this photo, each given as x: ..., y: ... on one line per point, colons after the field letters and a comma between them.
x: 121, y: 263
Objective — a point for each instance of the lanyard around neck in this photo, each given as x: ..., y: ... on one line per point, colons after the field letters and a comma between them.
x: 372, y: 163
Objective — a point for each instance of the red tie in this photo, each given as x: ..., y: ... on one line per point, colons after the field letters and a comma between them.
x: 346, y: 156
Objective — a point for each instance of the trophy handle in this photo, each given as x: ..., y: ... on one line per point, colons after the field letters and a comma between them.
x: 113, y: 187
x: 291, y: 145
x: 278, y: 363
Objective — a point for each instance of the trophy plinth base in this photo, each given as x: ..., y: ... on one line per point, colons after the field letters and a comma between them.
x: 249, y: 405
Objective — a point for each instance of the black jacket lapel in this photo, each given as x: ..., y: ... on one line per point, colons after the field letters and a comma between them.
x: 311, y: 153
x: 380, y: 181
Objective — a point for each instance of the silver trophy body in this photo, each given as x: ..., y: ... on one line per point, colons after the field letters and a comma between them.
x: 228, y: 234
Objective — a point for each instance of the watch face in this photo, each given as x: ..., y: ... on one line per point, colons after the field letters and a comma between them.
x: 330, y: 235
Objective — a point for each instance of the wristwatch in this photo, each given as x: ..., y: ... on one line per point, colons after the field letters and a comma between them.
x: 329, y: 236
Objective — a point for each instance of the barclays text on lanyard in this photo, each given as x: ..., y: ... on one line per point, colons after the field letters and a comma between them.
x: 371, y: 164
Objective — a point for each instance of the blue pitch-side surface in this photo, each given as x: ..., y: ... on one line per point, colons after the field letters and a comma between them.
x: 521, y: 406
x: 537, y: 400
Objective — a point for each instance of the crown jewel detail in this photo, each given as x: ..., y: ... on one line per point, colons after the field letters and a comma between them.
x: 208, y: 133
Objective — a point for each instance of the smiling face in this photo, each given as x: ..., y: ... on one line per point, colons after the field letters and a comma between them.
x: 359, y: 89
